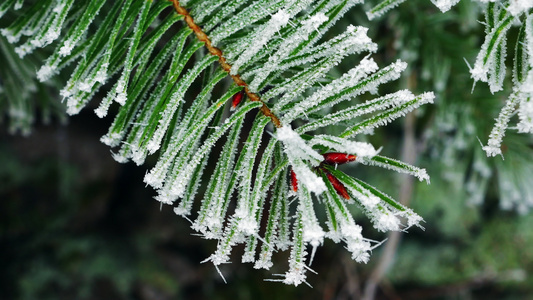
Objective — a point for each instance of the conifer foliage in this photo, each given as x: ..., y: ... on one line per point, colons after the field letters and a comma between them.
x: 274, y: 172
x: 490, y: 64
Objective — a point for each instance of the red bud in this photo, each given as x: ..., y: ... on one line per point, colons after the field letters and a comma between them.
x: 294, y: 181
x: 338, y: 186
x: 237, y: 98
x: 338, y: 158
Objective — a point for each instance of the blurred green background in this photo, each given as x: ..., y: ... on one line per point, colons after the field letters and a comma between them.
x: 74, y: 224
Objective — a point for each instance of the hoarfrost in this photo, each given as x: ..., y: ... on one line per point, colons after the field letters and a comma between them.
x: 517, y: 7
x: 298, y: 151
x: 445, y: 5
x: 261, y: 37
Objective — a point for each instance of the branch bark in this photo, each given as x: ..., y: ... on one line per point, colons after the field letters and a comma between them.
x: 202, y: 36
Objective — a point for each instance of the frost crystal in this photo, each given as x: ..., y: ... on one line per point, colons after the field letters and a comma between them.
x: 261, y: 37
x: 517, y: 7
x: 413, y: 219
x: 396, y: 165
x: 296, y: 146
x: 286, y: 47
x: 386, y: 221
x: 350, y: 79
x: 361, y: 149
x: 382, y: 8
x: 247, y: 225
x: 298, y: 151
x: 525, y: 114
x: 45, y: 72
x: 498, y: 132
x: 18, y: 4
x: 66, y: 48
x: 445, y: 5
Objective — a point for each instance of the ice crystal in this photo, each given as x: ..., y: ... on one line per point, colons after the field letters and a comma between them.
x: 498, y: 132
x: 360, y: 149
x: 445, y: 5
x: 286, y: 47
x: 525, y: 114
x: 298, y: 152
x: 382, y: 8
x: 262, y: 36
x: 517, y: 7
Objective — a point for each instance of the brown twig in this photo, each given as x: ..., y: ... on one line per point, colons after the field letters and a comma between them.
x: 200, y: 34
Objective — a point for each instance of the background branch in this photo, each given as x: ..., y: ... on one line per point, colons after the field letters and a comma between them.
x: 409, y: 156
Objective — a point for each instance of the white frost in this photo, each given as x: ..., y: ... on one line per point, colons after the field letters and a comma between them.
x: 445, y: 5
x: 360, y: 149
x: 260, y: 39
x: 516, y: 7
x: 298, y: 151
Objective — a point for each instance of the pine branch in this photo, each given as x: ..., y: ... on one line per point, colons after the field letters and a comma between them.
x: 273, y: 50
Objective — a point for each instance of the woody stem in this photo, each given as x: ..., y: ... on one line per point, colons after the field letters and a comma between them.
x: 225, y: 66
